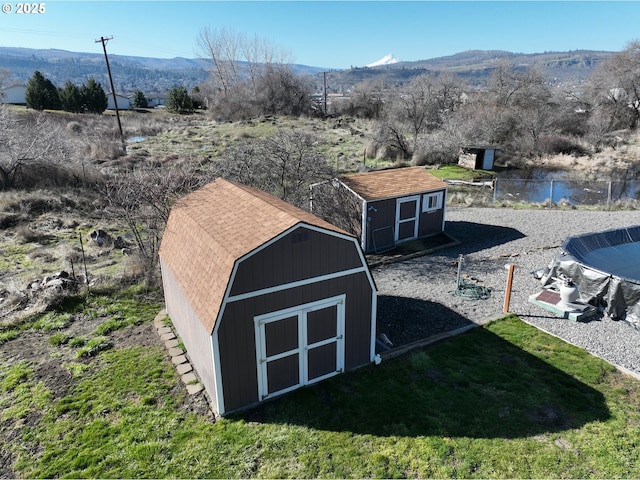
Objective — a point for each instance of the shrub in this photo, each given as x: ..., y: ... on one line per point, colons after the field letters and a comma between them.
x: 17, y: 374
x: 58, y: 339
x: 53, y: 321
x: 76, y: 342
x: 25, y: 234
x: 103, y: 149
x: 9, y: 220
x: 557, y: 144
x: 94, y: 346
x: 110, y: 325
x: 7, y: 335
x: 76, y: 369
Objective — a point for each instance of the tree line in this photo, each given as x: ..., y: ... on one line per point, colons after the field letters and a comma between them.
x: 41, y: 94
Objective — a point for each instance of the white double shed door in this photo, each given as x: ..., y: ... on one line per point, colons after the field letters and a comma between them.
x: 299, y: 346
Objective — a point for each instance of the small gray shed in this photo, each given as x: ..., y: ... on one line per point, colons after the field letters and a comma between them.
x: 266, y: 297
x: 477, y: 158
x: 383, y: 208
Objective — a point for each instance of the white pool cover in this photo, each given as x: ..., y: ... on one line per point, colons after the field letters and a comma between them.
x: 605, y: 266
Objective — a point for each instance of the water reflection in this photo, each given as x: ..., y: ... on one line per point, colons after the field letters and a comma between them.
x: 537, y: 185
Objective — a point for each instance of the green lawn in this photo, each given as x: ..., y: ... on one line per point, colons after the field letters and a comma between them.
x: 505, y: 400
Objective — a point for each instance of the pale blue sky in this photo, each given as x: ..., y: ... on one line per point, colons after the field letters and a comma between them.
x: 329, y: 34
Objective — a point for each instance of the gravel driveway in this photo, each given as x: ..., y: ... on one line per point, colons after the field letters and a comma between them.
x: 416, y: 298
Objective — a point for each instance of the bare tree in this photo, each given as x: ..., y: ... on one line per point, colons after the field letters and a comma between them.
x: 614, y: 88
x: 365, y: 101
x: 240, y: 69
x: 33, y: 148
x: 280, y: 91
x: 220, y: 47
x: 391, y: 139
x: 519, y: 105
x: 284, y: 165
x: 423, y: 104
x: 142, y: 201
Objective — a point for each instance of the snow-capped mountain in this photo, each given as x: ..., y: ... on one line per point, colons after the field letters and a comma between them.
x: 386, y: 60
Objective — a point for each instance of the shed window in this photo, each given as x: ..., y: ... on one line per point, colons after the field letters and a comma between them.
x: 432, y: 201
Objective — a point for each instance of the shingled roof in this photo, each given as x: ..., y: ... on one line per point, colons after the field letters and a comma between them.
x: 396, y: 182
x: 211, y: 228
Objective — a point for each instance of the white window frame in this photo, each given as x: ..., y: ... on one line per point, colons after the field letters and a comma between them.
x: 432, y: 202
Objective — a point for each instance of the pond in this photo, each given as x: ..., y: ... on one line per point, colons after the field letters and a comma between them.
x: 538, y: 185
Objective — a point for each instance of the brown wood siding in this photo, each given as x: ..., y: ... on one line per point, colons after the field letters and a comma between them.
x: 191, y: 331
x: 283, y: 373
x: 383, y: 216
x: 431, y: 222
x: 321, y: 324
x: 322, y: 360
x: 281, y: 336
x: 303, y: 253
x: 236, y: 335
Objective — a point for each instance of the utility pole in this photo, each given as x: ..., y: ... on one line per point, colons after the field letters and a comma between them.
x: 325, y: 92
x: 113, y: 91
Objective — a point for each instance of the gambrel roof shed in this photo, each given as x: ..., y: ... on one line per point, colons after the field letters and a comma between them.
x: 384, y: 207
x: 245, y: 274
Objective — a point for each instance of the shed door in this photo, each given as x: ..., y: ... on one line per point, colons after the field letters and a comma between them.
x: 407, y: 210
x: 299, y: 346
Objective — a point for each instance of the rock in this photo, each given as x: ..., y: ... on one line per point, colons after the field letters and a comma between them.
x: 99, y: 237
x: 120, y: 243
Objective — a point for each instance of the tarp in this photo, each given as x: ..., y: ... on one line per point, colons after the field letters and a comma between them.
x: 605, y: 266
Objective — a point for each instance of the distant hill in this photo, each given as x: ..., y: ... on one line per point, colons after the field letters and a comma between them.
x: 569, y: 69
x: 157, y: 75
x: 151, y: 75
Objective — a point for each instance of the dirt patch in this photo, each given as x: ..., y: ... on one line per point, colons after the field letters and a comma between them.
x: 55, y: 377
x: 139, y: 335
x: 30, y: 346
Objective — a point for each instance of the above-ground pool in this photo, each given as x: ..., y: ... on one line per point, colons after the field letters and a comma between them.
x: 605, y: 266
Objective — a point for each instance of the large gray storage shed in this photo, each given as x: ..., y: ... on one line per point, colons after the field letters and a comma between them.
x: 265, y: 297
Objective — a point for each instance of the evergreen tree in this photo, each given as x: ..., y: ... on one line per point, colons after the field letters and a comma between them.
x: 178, y: 100
x: 139, y: 100
x: 71, y: 98
x: 93, y: 96
x: 41, y: 93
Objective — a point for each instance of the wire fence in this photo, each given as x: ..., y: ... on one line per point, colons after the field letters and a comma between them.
x: 600, y: 194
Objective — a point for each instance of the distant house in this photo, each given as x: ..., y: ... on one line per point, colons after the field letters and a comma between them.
x: 266, y: 297
x: 14, y: 95
x: 477, y: 158
x: 383, y: 208
x: 124, y: 103
x: 158, y: 101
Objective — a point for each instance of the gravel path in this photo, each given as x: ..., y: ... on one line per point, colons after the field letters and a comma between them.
x: 416, y: 299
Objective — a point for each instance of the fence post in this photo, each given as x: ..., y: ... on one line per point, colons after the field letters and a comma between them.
x: 507, y: 294
x: 495, y: 189
x: 609, y: 196
x: 551, y: 194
